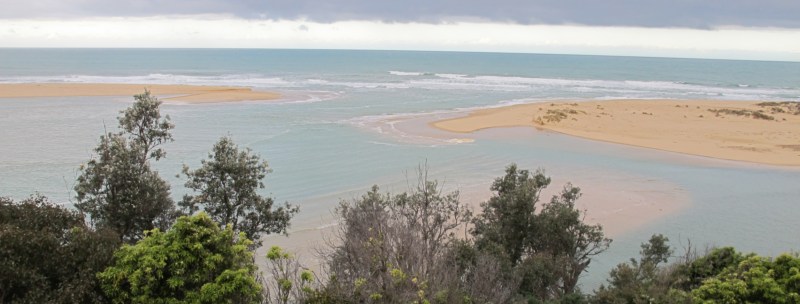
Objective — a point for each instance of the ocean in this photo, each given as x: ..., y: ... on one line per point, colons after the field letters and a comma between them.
x: 351, y: 119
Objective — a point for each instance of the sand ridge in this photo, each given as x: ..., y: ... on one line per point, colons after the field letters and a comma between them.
x: 180, y: 93
x: 750, y: 131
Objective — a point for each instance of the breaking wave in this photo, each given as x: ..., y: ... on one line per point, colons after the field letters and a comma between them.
x: 402, y: 80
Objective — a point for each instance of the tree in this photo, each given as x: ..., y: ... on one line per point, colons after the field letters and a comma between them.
x: 508, y: 217
x: 117, y: 188
x: 551, y: 249
x: 403, y: 248
x: 227, y: 185
x: 484, y: 277
x: 754, y: 280
x: 49, y: 255
x: 722, y: 275
x: 434, y: 216
x: 709, y: 265
x: 194, y: 262
x: 376, y: 254
x: 647, y: 280
x: 564, y: 239
x: 289, y: 281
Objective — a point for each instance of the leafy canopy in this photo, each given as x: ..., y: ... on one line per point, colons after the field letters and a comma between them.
x: 49, y: 255
x: 645, y: 280
x: 398, y: 249
x: 227, y: 185
x: 754, y: 280
x: 194, y: 262
x: 509, y: 217
x: 117, y: 188
x: 550, y: 249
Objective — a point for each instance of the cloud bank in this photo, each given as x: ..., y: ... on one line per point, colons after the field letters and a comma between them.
x: 635, y: 13
x: 227, y: 32
x: 738, y: 29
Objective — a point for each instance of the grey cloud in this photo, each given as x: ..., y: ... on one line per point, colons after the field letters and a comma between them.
x: 648, y: 13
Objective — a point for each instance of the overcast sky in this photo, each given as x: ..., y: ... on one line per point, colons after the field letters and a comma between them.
x: 633, y: 23
x: 645, y: 13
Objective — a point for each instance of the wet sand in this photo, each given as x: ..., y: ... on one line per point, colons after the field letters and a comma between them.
x: 178, y: 93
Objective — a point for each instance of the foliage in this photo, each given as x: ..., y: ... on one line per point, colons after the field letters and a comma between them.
x: 117, y: 188
x: 49, y: 255
x: 710, y: 265
x: 194, y: 262
x: 549, y: 250
x: 754, y: 280
x: 227, y: 185
x: 743, y: 112
x: 401, y: 249
x: 564, y: 239
x: 791, y: 107
x: 723, y: 275
x: 289, y: 281
x: 646, y: 280
x: 508, y: 217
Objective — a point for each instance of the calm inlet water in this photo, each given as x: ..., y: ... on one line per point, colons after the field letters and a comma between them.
x: 350, y: 119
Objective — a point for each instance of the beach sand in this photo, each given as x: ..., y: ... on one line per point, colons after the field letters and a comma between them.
x: 750, y: 131
x: 179, y: 93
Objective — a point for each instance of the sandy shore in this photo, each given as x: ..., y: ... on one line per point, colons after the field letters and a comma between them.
x: 180, y: 93
x: 758, y: 132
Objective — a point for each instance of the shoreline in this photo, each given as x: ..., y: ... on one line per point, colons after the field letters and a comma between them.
x: 193, y: 94
x: 746, y: 131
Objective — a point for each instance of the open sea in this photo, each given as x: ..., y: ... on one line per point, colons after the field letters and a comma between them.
x: 351, y: 119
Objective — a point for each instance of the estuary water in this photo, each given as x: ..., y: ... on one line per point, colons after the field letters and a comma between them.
x: 351, y: 119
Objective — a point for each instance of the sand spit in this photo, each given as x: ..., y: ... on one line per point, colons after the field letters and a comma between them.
x: 179, y: 93
x: 750, y: 131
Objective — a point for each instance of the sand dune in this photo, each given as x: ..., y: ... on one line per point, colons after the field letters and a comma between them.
x: 181, y: 93
x: 759, y: 132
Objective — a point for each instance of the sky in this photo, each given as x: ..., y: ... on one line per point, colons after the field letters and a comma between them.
x: 731, y: 29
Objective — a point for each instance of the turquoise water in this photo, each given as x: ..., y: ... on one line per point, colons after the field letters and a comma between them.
x: 350, y: 119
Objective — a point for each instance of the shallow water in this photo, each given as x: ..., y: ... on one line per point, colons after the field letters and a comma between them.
x: 351, y: 119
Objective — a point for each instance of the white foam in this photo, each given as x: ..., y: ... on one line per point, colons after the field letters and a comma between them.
x: 401, y: 73
x: 450, y: 76
x: 460, y: 140
x: 563, y: 87
x: 354, y: 84
x: 250, y: 80
x: 291, y: 97
x: 540, y: 87
x: 386, y: 124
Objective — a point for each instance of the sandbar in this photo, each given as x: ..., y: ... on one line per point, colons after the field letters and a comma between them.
x: 749, y: 131
x: 620, y: 204
x: 179, y: 93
